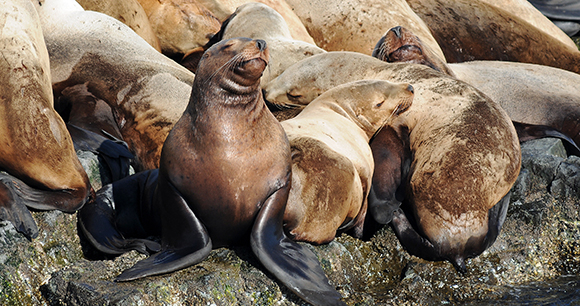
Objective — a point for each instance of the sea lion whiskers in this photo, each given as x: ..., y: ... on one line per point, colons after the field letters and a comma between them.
x: 227, y: 65
x: 401, y: 107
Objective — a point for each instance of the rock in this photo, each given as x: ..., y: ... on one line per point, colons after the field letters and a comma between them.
x: 540, y: 241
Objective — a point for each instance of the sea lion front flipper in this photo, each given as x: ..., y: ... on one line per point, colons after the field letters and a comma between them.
x: 185, y: 240
x: 293, y: 264
x: 530, y: 131
x: 14, y: 210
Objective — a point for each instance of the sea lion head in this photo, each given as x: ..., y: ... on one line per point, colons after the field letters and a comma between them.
x: 401, y: 45
x: 234, y: 65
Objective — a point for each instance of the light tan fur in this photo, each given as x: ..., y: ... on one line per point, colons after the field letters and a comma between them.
x: 356, y: 25
x: 332, y: 161
x: 147, y: 91
x: 466, y: 151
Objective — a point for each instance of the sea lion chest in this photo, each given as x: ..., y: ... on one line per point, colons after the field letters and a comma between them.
x: 226, y: 164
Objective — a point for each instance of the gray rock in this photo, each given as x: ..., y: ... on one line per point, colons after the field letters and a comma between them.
x: 540, y: 241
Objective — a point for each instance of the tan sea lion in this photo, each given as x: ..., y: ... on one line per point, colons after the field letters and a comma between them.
x: 473, y: 30
x: 222, y: 9
x: 129, y: 12
x: 224, y: 177
x: 36, y: 151
x: 180, y: 25
x: 526, y: 11
x: 465, y: 151
x: 259, y: 21
x: 545, y: 97
x: 356, y: 25
x: 147, y: 90
x: 332, y: 163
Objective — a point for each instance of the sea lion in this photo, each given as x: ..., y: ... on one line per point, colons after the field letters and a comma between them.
x: 222, y: 9
x: 465, y: 151
x: 224, y: 177
x: 356, y: 25
x: 526, y: 11
x: 332, y: 163
x: 532, y: 95
x: 147, y: 91
x: 564, y: 13
x: 129, y: 12
x: 180, y: 25
x: 473, y: 30
x: 36, y: 151
x: 259, y: 21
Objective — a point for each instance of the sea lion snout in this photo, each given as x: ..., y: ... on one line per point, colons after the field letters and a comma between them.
x: 261, y: 44
x: 397, y: 31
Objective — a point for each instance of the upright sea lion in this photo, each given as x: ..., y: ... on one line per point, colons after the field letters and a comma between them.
x: 36, y: 151
x: 532, y: 95
x: 356, y: 25
x: 224, y: 177
x: 332, y: 163
x: 465, y: 151
x: 129, y: 12
x: 147, y: 90
x: 259, y: 21
x: 470, y: 30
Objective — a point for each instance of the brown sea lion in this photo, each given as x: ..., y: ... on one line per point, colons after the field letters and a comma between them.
x: 180, y: 25
x: 332, y: 163
x: 259, y: 21
x: 147, y: 90
x: 129, y: 12
x: 224, y: 177
x: 356, y: 25
x: 544, y: 97
x: 465, y: 151
x: 470, y: 30
x: 36, y: 151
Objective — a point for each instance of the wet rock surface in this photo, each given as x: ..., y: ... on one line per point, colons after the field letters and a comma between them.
x: 540, y: 241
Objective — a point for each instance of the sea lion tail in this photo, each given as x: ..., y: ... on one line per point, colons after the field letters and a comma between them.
x: 293, y: 264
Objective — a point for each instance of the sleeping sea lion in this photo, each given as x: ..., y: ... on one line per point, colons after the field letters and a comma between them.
x: 542, y: 101
x: 147, y: 91
x: 465, y: 151
x: 356, y: 25
x: 332, y: 163
x: 36, y: 151
x: 470, y: 30
x: 129, y: 12
x: 224, y: 177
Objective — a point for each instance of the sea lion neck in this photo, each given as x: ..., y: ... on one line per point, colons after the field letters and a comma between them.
x: 348, y: 112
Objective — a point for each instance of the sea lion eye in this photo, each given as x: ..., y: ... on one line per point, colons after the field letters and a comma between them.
x: 293, y: 97
x: 380, y: 104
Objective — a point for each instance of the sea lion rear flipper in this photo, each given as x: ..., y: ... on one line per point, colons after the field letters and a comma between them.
x: 185, y: 240
x: 414, y: 243
x: 530, y: 131
x: 14, y: 210
x: 293, y: 264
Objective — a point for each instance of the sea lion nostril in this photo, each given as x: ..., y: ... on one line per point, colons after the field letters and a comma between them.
x: 410, y: 88
x: 261, y: 44
x: 397, y: 31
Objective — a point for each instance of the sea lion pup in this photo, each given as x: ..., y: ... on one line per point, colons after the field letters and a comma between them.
x: 224, y: 176
x: 356, y: 25
x: 42, y: 169
x: 332, y: 163
x: 129, y: 12
x: 542, y: 101
x: 147, y: 91
x: 470, y: 30
x: 259, y: 21
x: 465, y: 151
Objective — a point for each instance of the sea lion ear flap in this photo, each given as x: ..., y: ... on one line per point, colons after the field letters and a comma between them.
x: 392, y: 156
x: 191, y: 59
